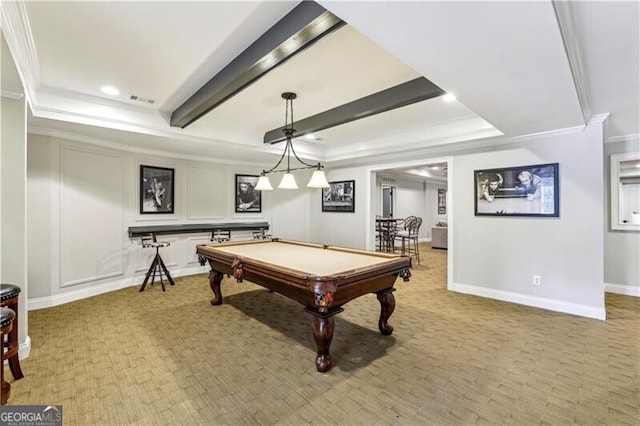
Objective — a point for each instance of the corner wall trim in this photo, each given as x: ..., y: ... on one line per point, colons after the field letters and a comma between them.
x: 533, y: 301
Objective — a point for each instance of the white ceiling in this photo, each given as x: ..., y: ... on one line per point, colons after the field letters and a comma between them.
x: 507, y: 63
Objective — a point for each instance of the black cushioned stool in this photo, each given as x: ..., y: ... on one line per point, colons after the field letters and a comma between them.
x: 9, y: 299
x: 7, y: 316
x: 157, y: 266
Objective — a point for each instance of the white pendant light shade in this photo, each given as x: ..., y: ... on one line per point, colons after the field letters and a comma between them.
x: 288, y: 182
x: 318, y: 180
x: 264, y: 184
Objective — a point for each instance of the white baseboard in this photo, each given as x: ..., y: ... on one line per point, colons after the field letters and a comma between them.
x: 534, y: 301
x: 626, y: 290
x: 25, y: 349
x: 83, y: 293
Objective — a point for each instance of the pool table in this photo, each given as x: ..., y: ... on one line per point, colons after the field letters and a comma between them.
x: 322, y: 278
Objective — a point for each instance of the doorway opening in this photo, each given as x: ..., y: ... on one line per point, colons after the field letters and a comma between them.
x: 388, y: 200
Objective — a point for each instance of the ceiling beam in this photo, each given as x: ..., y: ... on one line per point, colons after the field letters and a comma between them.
x: 407, y: 93
x: 304, y: 25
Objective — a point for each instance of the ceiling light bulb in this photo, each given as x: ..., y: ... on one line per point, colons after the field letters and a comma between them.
x: 449, y: 97
x: 110, y: 90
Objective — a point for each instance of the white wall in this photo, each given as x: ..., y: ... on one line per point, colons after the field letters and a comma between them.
x: 413, y: 197
x: 85, y: 197
x: 431, y: 198
x: 498, y: 256
x: 411, y: 201
x: 339, y: 228
x: 13, y: 183
x: 621, y: 248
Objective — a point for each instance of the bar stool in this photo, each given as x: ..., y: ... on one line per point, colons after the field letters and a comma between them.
x: 260, y: 235
x: 7, y: 316
x: 220, y: 235
x: 9, y: 299
x: 157, y: 266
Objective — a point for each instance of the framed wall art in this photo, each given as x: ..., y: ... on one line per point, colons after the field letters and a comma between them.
x: 248, y: 200
x: 442, y: 201
x: 339, y: 197
x: 518, y: 191
x: 156, y: 190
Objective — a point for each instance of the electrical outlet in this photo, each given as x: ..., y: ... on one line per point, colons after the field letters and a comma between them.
x: 536, y: 280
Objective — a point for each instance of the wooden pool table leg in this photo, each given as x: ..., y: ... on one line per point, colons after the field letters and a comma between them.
x: 215, y: 278
x: 387, y: 306
x: 323, y: 334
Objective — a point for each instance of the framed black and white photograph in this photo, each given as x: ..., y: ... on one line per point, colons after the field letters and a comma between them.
x: 518, y: 191
x: 442, y: 201
x: 248, y: 200
x: 156, y: 190
x: 339, y: 197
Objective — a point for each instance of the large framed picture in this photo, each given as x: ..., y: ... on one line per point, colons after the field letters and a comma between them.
x: 339, y: 197
x: 156, y: 190
x: 248, y: 200
x: 518, y: 191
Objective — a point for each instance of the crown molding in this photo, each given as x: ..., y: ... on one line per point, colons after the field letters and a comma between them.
x: 624, y: 138
x: 79, y: 138
x: 17, y: 31
x: 563, y: 14
x: 11, y: 94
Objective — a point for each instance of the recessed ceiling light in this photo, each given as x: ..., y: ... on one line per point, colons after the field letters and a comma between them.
x: 110, y: 90
x: 310, y: 136
x: 448, y: 97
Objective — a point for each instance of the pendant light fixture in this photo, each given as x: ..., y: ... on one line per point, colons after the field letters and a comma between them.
x: 318, y: 179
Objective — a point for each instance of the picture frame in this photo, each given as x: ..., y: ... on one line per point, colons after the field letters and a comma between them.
x: 156, y: 190
x: 530, y: 191
x: 442, y: 201
x: 247, y: 200
x: 339, y: 197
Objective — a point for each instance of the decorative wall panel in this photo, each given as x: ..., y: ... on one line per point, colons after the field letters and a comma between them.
x: 91, y: 216
x: 206, y: 192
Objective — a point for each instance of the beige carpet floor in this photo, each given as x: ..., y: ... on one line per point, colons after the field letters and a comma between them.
x: 154, y: 358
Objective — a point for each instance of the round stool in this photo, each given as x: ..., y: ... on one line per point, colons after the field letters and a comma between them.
x: 7, y: 317
x: 9, y: 299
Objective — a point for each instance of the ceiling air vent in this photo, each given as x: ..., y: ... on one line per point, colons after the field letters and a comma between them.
x: 143, y: 100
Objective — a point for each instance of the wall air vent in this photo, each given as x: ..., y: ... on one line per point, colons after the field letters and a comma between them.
x: 388, y: 179
x: 143, y: 100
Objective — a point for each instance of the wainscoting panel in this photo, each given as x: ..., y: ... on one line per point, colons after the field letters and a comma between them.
x: 207, y: 192
x: 191, y: 243
x: 91, y: 216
